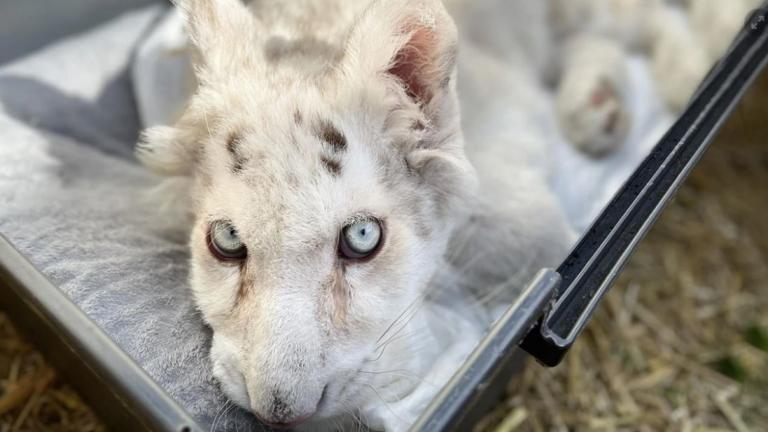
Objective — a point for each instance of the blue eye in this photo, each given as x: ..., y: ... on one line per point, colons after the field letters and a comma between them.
x: 224, y: 242
x: 360, y: 239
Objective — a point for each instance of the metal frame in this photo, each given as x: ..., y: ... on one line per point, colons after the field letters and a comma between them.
x: 124, y: 396
x: 545, y: 321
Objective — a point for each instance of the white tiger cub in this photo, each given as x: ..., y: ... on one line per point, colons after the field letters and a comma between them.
x: 331, y: 181
x: 327, y: 158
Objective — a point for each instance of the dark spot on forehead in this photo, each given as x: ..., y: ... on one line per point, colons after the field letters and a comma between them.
x: 233, y: 147
x: 232, y: 143
x: 331, y: 165
x: 328, y: 133
x: 298, y: 118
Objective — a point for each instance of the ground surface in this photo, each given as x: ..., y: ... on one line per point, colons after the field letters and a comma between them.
x: 681, y: 342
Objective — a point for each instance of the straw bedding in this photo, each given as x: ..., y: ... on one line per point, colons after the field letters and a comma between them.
x: 31, y: 396
x: 681, y: 342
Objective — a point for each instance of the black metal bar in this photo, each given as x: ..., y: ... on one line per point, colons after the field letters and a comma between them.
x: 121, y: 392
x: 600, y: 255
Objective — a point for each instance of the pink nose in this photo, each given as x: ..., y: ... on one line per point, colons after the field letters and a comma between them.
x: 286, y: 425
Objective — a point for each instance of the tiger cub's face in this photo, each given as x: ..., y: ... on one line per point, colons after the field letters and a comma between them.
x: 323, y: 202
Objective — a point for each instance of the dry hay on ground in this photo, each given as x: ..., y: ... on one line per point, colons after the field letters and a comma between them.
x: 31, y: 396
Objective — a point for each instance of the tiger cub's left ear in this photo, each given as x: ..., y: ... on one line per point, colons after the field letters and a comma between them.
x: 413, y: 45
x: 412, y: 41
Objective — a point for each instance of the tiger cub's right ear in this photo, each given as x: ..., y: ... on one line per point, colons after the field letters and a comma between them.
x: 224, y: 34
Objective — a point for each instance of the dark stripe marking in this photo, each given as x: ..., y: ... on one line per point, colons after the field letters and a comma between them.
x: 327, y: 132
x: 333, y: 166
x: 238, y: 160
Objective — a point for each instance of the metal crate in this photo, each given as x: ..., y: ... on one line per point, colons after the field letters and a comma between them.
x: 546, y: 319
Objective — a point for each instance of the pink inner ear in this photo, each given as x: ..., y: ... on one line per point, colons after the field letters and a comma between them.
x: 415, y: 64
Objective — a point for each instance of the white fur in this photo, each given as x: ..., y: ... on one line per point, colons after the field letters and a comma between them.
x: 683, y: 45
x: 329, y: 60
x: 591, y: 100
